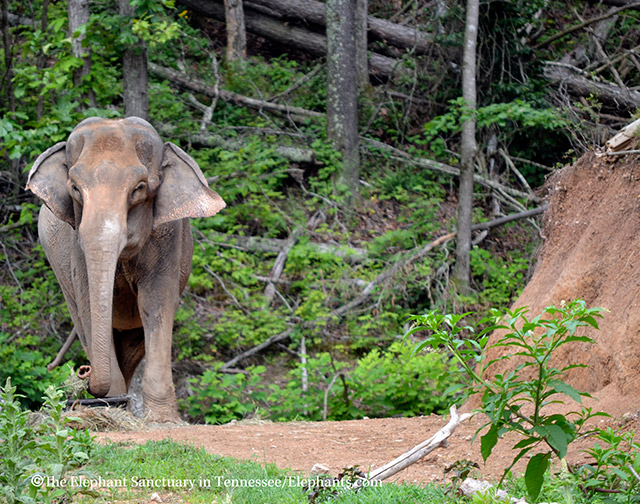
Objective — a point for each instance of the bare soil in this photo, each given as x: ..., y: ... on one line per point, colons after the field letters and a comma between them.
x: 366, y: 443
x: 591, y: 251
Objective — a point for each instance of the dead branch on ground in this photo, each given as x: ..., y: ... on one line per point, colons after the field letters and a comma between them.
x: 65, y: 348
x: 196, y: 85
x: 438, y: 440
x: 585, y: 23
x: 400, y: 155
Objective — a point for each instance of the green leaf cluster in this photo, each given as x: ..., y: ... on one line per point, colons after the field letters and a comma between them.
x: 50, y: 449
x: 518, y: 401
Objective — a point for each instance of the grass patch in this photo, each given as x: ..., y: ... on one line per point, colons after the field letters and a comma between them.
x: 181, y: 473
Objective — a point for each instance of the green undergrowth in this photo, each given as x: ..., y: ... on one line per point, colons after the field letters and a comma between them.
x: 380, y: 384
x: 161, y: 466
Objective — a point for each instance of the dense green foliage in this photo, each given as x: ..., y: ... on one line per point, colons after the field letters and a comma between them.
x: 403, y: 207
x: 31, y: 454
x: 377, y: 386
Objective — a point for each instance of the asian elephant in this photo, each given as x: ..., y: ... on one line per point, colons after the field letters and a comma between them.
x: 115, y: 229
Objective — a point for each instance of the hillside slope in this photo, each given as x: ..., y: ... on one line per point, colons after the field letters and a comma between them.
x: 592, y: 251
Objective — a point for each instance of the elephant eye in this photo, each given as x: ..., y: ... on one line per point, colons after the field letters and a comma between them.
x: 76, y: 192
x: 140, y: 187
x: 138, y: 194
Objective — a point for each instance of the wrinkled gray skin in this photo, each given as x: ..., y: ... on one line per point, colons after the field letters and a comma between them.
x: 115, y: 229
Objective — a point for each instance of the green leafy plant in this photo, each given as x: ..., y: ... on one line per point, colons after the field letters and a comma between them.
x: 518, y: 401
x: 30, y: 454
x: 224, y: 397
x: 616, y: 464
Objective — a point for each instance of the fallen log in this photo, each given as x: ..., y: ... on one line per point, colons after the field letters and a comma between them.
x: 625, y: 139
x: 579, y: 83
x: 430, y: 164
x: 313, y: 12
x: 294, y: 36
x: 198, y: 86
x: 275, y: 245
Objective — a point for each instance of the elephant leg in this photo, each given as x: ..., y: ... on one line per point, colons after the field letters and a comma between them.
x: 129, y: 345
x: 158, y: 392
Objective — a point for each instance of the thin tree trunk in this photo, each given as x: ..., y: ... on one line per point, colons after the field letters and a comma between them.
x: 78, y: 16
x: 135, y: 74
x: 342, y: 92
x: 236, y: 33
x: 42, y: 59
x: 468, y: 148
x: 7, y: 75
x: 362, y: 56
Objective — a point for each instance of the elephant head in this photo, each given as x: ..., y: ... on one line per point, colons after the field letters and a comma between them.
x: 114, y: 182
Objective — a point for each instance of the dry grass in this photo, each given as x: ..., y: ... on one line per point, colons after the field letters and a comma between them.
x: 104, y: 419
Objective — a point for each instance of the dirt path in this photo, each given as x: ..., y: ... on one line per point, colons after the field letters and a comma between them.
x: 366, y: 443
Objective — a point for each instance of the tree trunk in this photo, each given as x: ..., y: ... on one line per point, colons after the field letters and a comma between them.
x: 342, y: 92
x: 78, y: 16
x: 362, y: 56
x: 8, y: 60
x: 135, y: 75
x: 468, y: 149
x: 236, y: 34
x: 42, y: 59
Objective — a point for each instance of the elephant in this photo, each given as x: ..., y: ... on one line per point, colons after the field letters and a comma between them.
x: 115, y: 229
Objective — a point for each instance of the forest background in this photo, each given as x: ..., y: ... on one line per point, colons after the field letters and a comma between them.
x: 340, y: 172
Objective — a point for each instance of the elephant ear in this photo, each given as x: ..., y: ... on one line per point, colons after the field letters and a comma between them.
x: 48, y: 180
x: 183, y: 191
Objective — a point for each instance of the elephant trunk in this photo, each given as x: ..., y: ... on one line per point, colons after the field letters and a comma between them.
x: 102, y: 241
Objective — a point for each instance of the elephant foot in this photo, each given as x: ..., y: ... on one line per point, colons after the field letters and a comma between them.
x: 162, y: 415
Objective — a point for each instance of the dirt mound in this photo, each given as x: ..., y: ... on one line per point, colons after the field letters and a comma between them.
x: 592, y: 251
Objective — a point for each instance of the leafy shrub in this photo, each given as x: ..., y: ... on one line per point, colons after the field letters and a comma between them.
x: 517, y: 401
x: 392, y: 383
x: 499, y: 280
x: 26, y: 365
x: 32, y: 454
x: 323, y: 376
x: 616, y: 464
x: 224, y: 397
x: 380, y: 384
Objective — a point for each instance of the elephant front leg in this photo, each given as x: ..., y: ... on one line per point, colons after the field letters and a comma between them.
x: 158, y: 393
